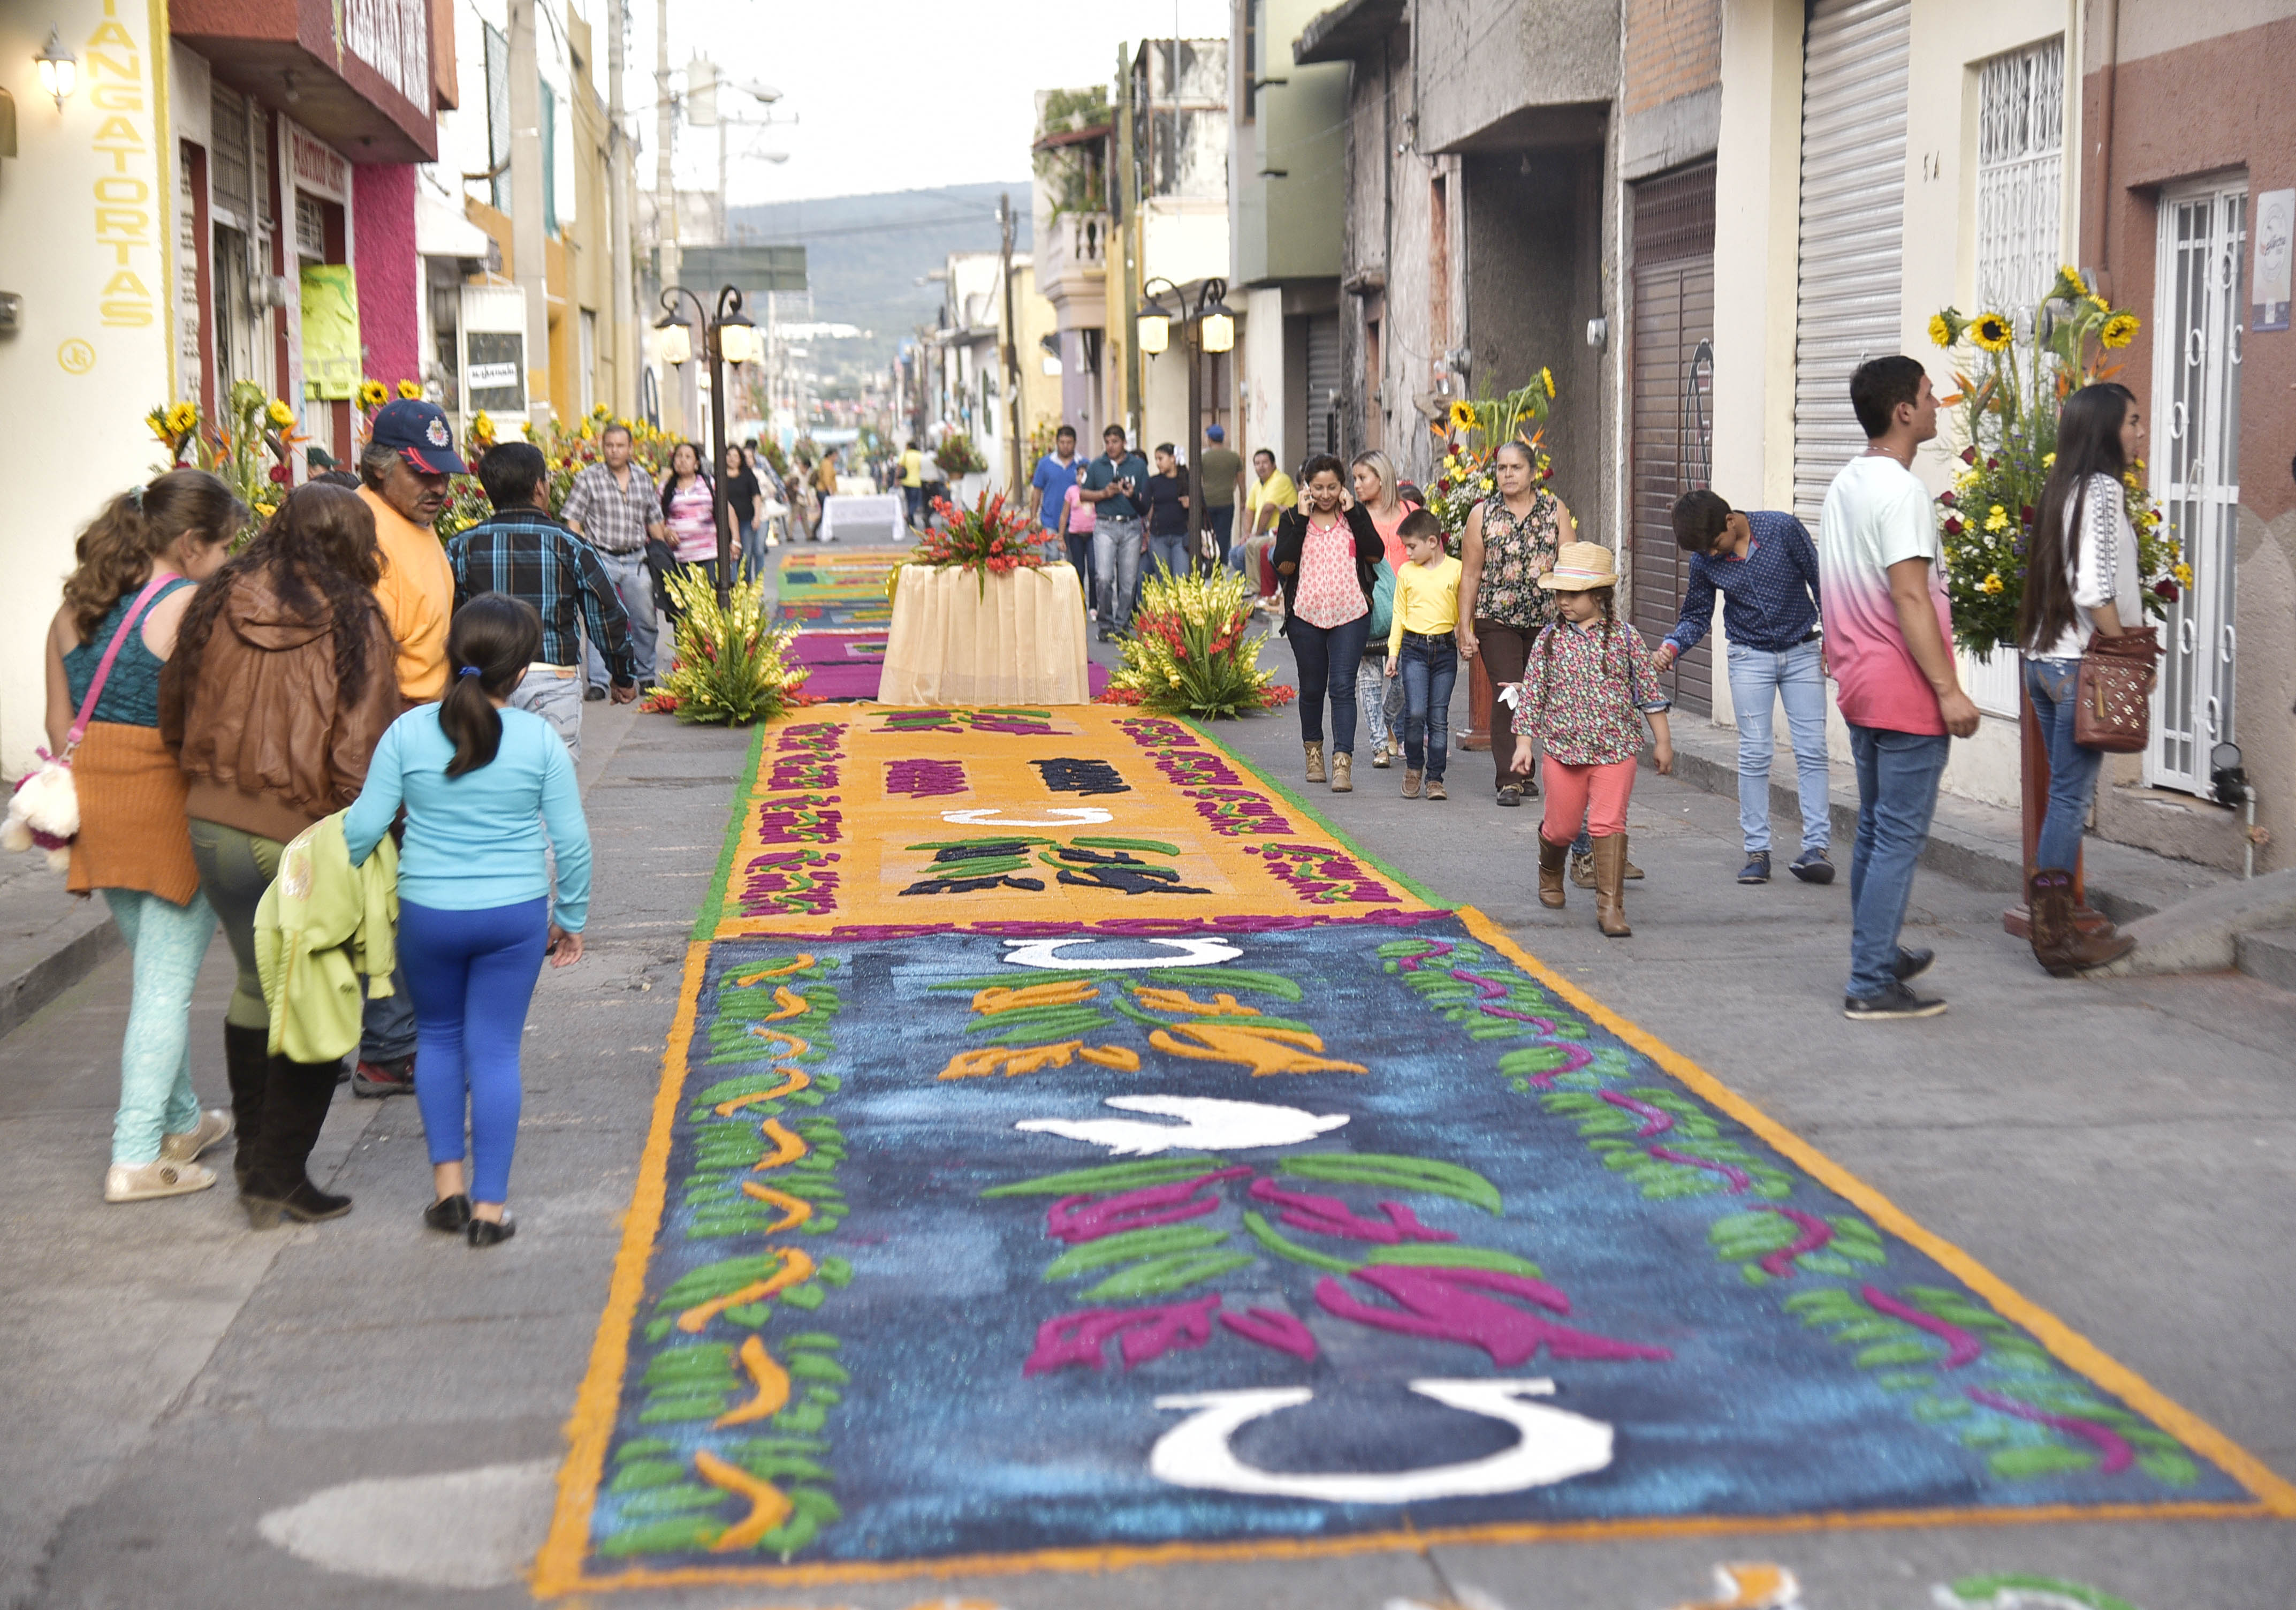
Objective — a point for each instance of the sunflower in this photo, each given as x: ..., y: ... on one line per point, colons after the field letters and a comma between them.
x: 2070, y: 286
x: 280, y: 413
x: 1941, y: 332
x: 1546, y: 379
x: 1991, y: 584
x: 1992, y: 332
x: 372, y: 394
x: 409, y: 392
x: 1463, y: 417
x: 2119, y: 329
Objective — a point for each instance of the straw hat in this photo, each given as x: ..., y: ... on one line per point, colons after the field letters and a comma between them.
x: 1581, y: 567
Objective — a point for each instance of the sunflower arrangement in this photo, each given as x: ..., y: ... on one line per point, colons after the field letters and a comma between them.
x: 1188, y: 654
x: 249, y: 447
x: 1472, y: 433
x: 2006, y: 422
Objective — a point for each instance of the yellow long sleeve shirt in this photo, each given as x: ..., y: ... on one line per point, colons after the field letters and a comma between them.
x: 1426, y: 602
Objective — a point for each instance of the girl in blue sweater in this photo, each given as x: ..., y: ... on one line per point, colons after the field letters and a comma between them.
x: 479, y: 783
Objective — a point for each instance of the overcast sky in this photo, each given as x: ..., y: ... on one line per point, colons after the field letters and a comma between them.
x: 891, y: 95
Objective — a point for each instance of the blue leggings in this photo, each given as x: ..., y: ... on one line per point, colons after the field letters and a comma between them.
x: 471, y: 974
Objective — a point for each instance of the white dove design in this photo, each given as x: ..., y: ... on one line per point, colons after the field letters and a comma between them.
x: 1209, y: 1125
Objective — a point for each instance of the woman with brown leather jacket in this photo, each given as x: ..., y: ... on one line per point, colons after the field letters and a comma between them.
x: 284, y: 680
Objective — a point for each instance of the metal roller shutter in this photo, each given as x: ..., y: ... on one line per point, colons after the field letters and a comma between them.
x: 1673, y: 367
x: 1324, y: 409
x: 1849, y: 288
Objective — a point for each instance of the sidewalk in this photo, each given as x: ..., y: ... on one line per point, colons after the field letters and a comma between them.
x: 49, y: 940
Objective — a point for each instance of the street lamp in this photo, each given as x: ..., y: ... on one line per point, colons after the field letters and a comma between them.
x: 59, y: 69
x: 1211, y: 327
x: 729, y: 338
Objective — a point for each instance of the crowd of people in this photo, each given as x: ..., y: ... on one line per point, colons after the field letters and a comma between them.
x: 1380, y: 613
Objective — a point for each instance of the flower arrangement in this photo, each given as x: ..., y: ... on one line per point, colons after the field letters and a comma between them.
x: 991, y: 538
x: 2006, y: 423
x: 957, y: 456
x: 1472, y: 433
x: 249, y: 449
x: 732, y: 665
x: 1188, y: 654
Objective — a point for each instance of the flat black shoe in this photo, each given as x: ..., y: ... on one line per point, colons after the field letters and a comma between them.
x: 449, y: 1213
x: 1896, y: 1001
x: 487, y: 1232
x: 1912, y: 961
x: 307, y: 1203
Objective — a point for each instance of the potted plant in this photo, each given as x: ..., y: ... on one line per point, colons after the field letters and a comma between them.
x: 1188, y: 654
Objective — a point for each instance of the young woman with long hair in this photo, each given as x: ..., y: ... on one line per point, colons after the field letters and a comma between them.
x: 1327, y: 556
x: 689, y: 505
x: 283, y: 679
x: 2082, y: 579
x: 136, y: 567
x: 479, y: 782
x: 1511, y: 540
x: 1378, y: 695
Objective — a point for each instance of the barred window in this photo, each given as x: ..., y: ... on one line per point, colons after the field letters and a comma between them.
x: 2021, y: 142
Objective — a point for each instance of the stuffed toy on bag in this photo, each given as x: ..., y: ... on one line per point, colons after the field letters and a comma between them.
x: 43, y: 811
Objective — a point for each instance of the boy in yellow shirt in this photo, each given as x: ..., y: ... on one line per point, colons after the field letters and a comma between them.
x: 1420, y: 650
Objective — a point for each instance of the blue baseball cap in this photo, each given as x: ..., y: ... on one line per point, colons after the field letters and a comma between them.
x: 1216, y: 432
x: 420, y: 433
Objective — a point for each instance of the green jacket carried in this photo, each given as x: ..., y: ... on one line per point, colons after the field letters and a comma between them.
x: 320, y: 924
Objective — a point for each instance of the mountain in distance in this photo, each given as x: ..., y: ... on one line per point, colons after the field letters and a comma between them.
x: 865, y: 255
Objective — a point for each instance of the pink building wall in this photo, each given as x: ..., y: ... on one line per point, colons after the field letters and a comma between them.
x: 389, y: 272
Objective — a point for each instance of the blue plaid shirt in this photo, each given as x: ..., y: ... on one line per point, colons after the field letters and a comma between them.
x: 1769, y: 597
x: 528, y: 553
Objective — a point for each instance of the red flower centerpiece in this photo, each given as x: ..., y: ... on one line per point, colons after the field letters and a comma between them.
x: 992, y: 537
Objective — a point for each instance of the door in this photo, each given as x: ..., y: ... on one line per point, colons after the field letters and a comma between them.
x: 1673, y: 362
x: 1849, y: 286
x: 1322, y: 383
x: 2203, y: 232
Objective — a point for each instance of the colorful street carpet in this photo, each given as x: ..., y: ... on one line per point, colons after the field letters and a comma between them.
x: 842, y: 591
x: 1071, y: 1156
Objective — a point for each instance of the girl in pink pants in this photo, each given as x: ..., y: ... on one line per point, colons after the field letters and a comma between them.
x: 1589, y: 684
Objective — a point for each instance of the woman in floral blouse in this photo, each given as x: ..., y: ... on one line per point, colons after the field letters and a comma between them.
x: 1590, y: 682
x: 1327, y: 555
x: 1511, y: 541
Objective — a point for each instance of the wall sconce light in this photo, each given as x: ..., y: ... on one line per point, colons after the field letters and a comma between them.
x: 59, y: 69
x: 1155, y: 332
x: 676, y: 339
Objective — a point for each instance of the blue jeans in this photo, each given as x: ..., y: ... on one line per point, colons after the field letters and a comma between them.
x: 1897, y: 774
x: 2054, y: 686
x: 1171, y: 552
x: 752, y: 547
x: 1798, y: 677
x: 1431, y: 670
x: 1079, y: 545
x: 634, y: 586
x: 1221, y: 518
x: 1327, y: 658
x: 1116, y: 569
x: 472, y: 974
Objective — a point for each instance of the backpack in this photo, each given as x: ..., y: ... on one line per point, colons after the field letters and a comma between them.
x: 1382, y: 607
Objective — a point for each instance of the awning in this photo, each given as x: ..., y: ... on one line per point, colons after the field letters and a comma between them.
x: 441, y: 229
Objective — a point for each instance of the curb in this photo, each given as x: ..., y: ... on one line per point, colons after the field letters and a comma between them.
x: 58, y: 971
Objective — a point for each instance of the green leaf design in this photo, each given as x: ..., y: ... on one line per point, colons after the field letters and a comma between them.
x: 1112, y: 1177
x: 1159, y: 1276
x: 1399, y: 1173
x: 1154, y: 1241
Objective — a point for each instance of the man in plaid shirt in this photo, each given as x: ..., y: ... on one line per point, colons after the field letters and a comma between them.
x: 616, y: 510
x: 525, y: 552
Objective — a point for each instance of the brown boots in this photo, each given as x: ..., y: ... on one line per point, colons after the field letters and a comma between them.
x: 2059, y: 944
x: 1551, y: 857
x: 1610, y: 885
x: 1343, y: 773
x: 1314, y: 761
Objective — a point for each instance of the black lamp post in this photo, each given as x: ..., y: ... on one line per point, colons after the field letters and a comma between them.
x: 1211, y: 327
x: 728, y: 339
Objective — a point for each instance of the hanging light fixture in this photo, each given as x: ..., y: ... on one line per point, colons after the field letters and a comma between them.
x: 59, y: 69
x: 676, y: 339
x: 737, y: 340
x: 1155, y: 330
x: 1219, y: 328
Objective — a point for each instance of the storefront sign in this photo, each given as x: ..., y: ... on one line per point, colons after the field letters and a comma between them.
x: 493, y: 377
x: 331, y: 332
x: 2275, y: 223
x: 317, y: 167
x: 127, y: 205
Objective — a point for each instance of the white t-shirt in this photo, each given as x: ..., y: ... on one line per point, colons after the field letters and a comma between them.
x: 1878, y: 513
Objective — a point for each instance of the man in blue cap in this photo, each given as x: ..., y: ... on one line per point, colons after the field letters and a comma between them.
x: 1223, y: 472
x: 404, y: 475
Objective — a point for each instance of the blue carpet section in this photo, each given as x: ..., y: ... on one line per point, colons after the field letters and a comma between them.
x: 961, y: 1353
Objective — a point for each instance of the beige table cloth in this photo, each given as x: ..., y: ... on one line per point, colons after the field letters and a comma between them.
x: 1019, y: 640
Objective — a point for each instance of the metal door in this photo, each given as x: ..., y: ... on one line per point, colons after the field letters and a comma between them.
x: 1849, y: 286
x: 2203, y: 233
x: 1673, y: 367
x: 1322, y: 383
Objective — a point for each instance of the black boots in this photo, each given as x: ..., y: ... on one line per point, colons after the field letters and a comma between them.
x: 294, y: 1109
x: 247, y: 1064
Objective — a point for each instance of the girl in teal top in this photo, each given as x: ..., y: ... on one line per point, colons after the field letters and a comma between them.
x: 479, y: 783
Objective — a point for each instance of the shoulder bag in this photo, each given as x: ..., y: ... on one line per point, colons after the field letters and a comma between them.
x: 43, y: 810
x: 2113, y: 703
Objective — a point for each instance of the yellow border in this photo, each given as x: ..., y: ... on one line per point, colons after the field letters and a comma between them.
x: 558, y: 1569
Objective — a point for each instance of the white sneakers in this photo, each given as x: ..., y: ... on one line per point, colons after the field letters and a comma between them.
x: 161, y: 1177
x: 175, y: 1171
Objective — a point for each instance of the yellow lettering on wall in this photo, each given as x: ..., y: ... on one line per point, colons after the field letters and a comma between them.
x: 131, y: 315
x: 118, y: 131
x: 131, y: 69
x: 117, y: 97
x: 111, y: 33
x: 125, y: 283
x: 124, y: 223
x: 122, y: 187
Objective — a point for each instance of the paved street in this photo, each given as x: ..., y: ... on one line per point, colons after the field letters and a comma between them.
x: 362, y: 1414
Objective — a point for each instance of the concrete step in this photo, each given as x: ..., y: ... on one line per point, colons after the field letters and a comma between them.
x: 2269, y: 954
x: 49, y: 939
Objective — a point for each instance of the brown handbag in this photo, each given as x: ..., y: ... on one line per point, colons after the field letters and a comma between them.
x: 2113, y: 704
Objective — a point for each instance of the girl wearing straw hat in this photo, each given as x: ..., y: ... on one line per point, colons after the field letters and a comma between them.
x: 1589, y: 684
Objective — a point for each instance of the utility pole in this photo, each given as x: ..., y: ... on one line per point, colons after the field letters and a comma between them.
x: 527, y: 239
x: 1011, y: 334
x: 666, y: 204
x: 618, y: 214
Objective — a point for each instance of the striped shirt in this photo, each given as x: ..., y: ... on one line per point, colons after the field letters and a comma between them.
x: 528, y: 554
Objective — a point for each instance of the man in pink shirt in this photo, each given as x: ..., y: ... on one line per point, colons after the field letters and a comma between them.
x: 1889, y: 631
